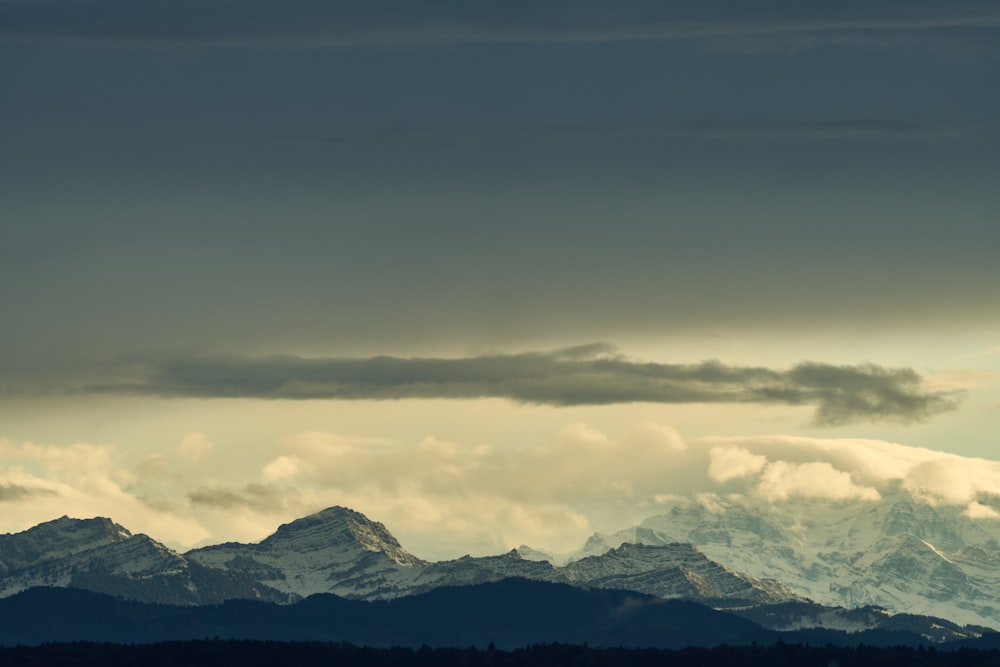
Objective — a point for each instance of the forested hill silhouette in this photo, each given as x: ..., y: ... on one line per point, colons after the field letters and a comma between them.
x: 507, y: 614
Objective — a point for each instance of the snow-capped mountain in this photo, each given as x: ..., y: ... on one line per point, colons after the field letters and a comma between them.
x: 341, y: 551
x: 70, y: 553
x: 55, y: 540
x: 900, y: 553
x: 102, y: 556
x: 673, y: 571
x: 336, y: 551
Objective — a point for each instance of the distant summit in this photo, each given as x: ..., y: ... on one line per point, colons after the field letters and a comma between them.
x: 57, y: 539
x: 339, y: 527
x: 101, y: 556
x: 336, y: 550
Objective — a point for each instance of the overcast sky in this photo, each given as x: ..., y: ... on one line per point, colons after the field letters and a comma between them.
x: 428, y: 259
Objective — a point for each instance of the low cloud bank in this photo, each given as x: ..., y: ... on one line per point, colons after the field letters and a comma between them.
x: 586, y: 375
x: 443, y: 498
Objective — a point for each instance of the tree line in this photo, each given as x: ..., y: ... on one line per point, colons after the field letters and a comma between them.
x: 305, y: 654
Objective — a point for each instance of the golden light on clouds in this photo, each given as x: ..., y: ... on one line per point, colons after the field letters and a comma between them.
x: 444, y: 498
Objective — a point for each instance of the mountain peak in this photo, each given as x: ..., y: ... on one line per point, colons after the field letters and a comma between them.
x: 97, y: 525
x: 57, y: 539
x: 341, y: 527
x: 70, y: 534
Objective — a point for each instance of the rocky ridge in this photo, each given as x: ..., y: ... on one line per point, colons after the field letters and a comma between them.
x: 102, y: 556
x: 336, y: 551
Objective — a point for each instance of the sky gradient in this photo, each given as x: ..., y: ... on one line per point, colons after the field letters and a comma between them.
x: 259, y: 257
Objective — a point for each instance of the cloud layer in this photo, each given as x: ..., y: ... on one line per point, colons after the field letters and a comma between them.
x: 586, y: 375
x: 382, y: 21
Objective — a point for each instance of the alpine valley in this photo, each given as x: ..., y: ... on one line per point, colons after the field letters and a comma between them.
x: 751, y: 570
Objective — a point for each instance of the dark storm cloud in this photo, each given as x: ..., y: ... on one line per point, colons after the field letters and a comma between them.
x: 386, y: 21
x: 15, y: 492
x: 587, y: 375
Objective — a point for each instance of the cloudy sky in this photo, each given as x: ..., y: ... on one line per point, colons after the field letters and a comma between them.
x: 493, y: 272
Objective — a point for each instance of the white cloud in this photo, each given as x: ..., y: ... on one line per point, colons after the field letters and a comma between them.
x: 83, y: 480
x: 656, y: 439
x: 781, y: 480
x: 726, y: 463
x: 548, y: 495
x: 71, y: 459
x: 284, y: 467
x: 537, y: 525
x: 952, y: 480
x: 666, y: 498
x: 932, y: 475
x: 443, y: 498
x: 977, y: 510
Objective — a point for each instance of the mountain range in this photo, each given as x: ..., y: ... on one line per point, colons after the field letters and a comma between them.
x: 336, y: 551
x: 901, y: 553
x: 899, y: 565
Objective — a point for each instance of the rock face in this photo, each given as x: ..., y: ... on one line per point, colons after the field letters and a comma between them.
x: 102, y: 556
x: 72, y: 553
x: 55, y: 552
x: 337, y: 551
x: 57, y: 540
x: 673, y: 571
x: 900, y: 554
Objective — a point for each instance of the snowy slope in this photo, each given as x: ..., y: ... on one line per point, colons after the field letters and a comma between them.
x: 102, y: 556
x: 673, y: 571
x: 51, y: 553
x: 336, y: 551
x: 797, y: 615
x: 57, y: 539
x: 900, y: 553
